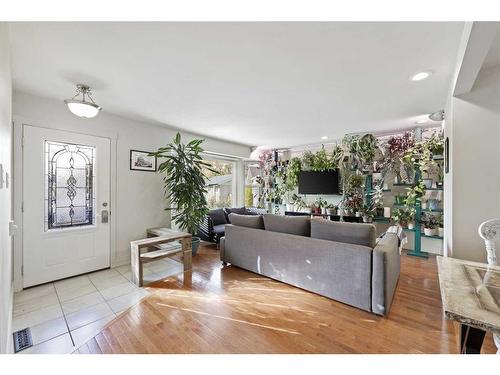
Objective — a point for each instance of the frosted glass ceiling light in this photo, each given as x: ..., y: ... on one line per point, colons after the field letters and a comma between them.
x: 83, y: 108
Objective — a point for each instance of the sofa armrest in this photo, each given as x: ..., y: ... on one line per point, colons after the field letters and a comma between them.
x: 385, y: 274
x: 205, y: 230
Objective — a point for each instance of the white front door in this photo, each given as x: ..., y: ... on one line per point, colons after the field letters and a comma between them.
x: 66, y: 191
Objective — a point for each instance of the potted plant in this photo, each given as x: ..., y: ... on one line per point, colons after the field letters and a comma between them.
x: 440, y: 226
x: 378, y: 200
x: 430, y: 223
x: 403, y: 216
x: 367, y: 212
x: 331, y: 209
x: 184, y: 184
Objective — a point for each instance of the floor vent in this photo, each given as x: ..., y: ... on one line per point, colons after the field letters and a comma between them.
x: 22, y: 340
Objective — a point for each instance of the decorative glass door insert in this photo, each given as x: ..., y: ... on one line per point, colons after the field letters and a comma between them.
x: 69, y: 190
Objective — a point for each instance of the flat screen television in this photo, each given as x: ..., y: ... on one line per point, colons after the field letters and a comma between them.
x: 319, y: 182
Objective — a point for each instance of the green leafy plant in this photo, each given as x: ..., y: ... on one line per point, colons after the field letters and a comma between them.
x: 308, y: 160
x: 403, y: 216
x: 417, y: 191
x: 184, y: 181
x: 430, y: 221
x: 293, y: 169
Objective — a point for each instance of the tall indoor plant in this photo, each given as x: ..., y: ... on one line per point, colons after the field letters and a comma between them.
x: 184, y: 183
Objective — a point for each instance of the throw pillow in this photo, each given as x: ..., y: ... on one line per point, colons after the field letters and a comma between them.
x: 249, y: 221
x: 298, y: 225
x: 218, y: 216
x: 354, y: 233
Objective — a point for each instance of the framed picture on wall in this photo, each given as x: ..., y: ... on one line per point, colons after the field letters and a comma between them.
x: 141, y: 161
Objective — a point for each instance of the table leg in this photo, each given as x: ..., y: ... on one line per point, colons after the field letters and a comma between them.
x: 471, y: 339
x: 187, y: 254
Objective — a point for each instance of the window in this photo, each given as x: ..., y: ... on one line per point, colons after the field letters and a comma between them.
x: 253, y: 191
x: 219, y: 185
x: 69, y: 190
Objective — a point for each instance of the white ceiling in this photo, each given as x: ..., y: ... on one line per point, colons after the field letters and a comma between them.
x: 272, y: 84
x: 493, y: 57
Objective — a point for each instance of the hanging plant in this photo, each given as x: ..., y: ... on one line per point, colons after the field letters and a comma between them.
x: 307, y: 160
x: 293, y: 169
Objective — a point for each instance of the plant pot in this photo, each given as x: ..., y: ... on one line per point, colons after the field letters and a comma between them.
x: 358, y: 214
x: 331, y: 211
x: 323, y: 211
x: 424, y: 205
x: 433, y: 204
x: 411, y: 226
x: 427, y: 183
x: 387, y: 212
x: 430, y: 232
x: 439, y: 184
x: 441, y: 232
x: 379, y: 211
x: 195, y: 244
x: 367, y: 219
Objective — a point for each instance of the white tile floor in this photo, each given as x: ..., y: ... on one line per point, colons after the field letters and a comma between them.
x: 65, y: 314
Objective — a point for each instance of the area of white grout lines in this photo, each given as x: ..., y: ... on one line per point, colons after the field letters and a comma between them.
x: 65, y: 314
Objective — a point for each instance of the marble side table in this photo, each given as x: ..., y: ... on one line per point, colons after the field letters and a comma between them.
x: 470, y: 293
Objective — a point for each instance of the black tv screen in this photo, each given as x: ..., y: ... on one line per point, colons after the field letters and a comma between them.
x: 319, y: 182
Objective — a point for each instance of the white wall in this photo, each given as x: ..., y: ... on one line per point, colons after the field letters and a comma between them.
x: 473, y: 125
x: 139, y: 195
x: 5, y: 192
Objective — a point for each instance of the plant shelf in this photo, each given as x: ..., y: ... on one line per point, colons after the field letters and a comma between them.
x: 382, y: 219
x: 435, y: 237
x: 402, y: 184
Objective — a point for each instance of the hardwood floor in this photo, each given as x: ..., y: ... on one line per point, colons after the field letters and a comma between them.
x: 215, y: 309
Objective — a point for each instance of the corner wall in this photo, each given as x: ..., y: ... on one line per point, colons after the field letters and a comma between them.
x: 473, y: 125
x: 139, y: 202
x: 5, y: 192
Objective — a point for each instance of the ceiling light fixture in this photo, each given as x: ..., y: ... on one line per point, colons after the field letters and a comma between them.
x: 324, y: 138
x: 420, y: 76
x: 83, y: 108
x: 420, y: 122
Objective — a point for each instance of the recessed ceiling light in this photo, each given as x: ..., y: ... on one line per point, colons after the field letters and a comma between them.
x: 325, y: 137
x: 419, y: 122
x: 420, y: 76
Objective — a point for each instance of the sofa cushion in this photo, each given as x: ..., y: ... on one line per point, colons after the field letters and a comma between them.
x: 354, y: 233
x: 299, y: 225
x: 234, y: 210
x: 219, y: 229
x: 250, y: 221
x: 218, y: 216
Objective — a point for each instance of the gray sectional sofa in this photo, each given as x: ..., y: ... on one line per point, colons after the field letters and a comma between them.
x: 342, y: 261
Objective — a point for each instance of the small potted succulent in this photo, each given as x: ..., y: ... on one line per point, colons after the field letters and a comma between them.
x: 430, y: 223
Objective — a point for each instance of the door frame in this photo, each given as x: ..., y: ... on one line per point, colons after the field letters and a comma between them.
x: 17, y: 180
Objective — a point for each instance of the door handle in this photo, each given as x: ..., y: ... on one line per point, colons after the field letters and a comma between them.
x: 104, y: 216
